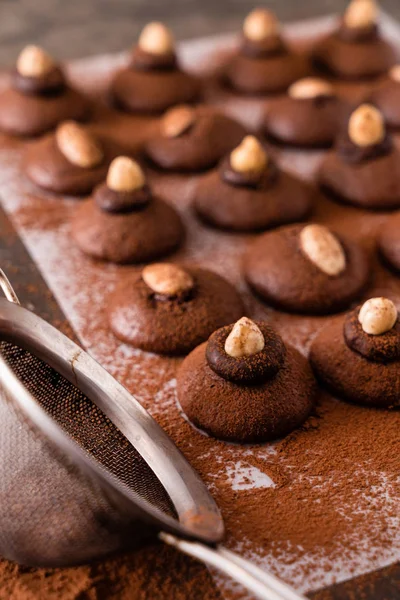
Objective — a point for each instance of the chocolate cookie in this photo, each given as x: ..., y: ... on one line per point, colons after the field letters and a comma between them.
x: 389, y: 242
x: 363, y: 168
x: 248, y: 192
x: 373, y: 184
x: 39, y: 97
x: 240, y: 408
x: 264, y: 64
x: 123, y: 222
x: 309, y: 115
x: 262, y: 75
x: 306, y: 269
x: 347, y: 59
x: 356, y: 49
x: 386, y: 97
x: 154, y: 81
x: 193, y: 139
x: 170, y: 310
x: 358, y: 366
x: 71, y: 161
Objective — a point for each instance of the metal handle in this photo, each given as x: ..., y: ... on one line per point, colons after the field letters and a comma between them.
x: 262, y: 584
x: 7, y: 288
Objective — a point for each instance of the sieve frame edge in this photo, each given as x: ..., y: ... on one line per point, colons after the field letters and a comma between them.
x: 199, y: 517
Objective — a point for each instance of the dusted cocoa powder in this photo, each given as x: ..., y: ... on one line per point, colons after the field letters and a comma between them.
x: 318, y: 506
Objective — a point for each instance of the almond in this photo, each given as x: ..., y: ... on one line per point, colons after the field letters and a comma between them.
x: 366, y: 126
x: 377, y: 316
x: 34, y: 62
x: 323, y: 249
x: 310, y: 87
x: 245, y: 339
x: 78, y: 145
x: 260, y: 24
x: 177, y: 120
x: 361, y: 14
x: 249, y: 156
x: 156, y: 38
x: 167, y: 279
x: 125, y: 175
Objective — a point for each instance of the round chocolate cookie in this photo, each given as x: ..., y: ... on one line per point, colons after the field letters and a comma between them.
x: 71, y: 161
x: 363, y: 168
x: 262, y: 75
x: 372, y: 183
x: 193, y: 139
x: 153, y: 91
x: 242, y: 410
x: 33, y: 115
x: 153, y: 82
x: 39, y: 97
x: 357, y: 366
x: 306, y: 269
x: 264, y: 64
x: 123, y: 222
x: 151, y: 312
x: 356, y: 50
x: 389, y: 242
x: 386, y: 97
x: 347, y: 59
x: 244, y: 205
x: 308, y: 116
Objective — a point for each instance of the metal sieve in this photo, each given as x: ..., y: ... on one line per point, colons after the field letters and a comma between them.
x: 85, y: 471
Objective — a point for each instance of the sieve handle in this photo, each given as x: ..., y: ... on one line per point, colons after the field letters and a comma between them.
x: 262, y: 584
x: 7, y: 288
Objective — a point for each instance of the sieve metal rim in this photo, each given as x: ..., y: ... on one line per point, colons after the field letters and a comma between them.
x: 198, y: 514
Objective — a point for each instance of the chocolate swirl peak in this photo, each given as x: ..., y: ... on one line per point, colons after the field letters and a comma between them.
x: 155, y: 48
x: 246, y: 352
x: 261, y: 33
x: 37, y: 73
x: 125, y: 189
x: 249, y: 165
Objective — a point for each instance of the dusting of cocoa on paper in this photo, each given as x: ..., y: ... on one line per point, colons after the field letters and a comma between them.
x: 316, y: 507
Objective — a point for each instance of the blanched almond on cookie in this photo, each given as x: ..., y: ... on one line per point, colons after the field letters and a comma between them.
x: 377, y: 316
x: 366, y: 126
x: 156, y: 38
x: 310, y: 87
x: 125, y: 175
x: 33, y: 61
x: 323, y: 249
x: 260, y: 24
x: 177, y: 120
x: 245, y: 339
x: 78, y: 145
x: 249, y: 156
x: 361, y: 14
x: 167, y: 279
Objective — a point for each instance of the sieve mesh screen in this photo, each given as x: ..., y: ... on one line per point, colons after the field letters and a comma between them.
x: 87, y: 425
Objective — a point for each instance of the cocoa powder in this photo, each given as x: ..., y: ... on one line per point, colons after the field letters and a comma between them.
x: 317, y: 506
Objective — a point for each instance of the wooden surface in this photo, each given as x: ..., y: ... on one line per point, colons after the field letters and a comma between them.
x: 72, y: 29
